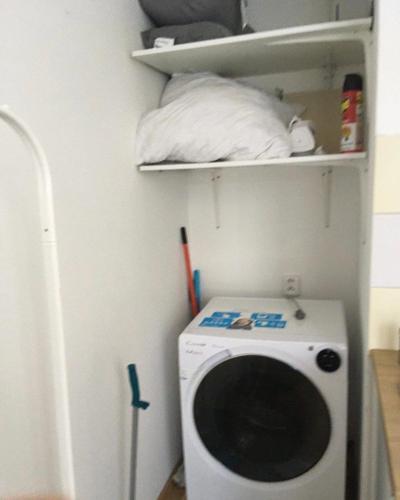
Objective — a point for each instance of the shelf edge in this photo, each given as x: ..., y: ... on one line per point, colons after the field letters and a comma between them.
x: 311, y: 29
x: 337, y: 160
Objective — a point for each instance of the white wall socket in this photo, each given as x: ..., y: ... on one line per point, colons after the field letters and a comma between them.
x: 291, y: 285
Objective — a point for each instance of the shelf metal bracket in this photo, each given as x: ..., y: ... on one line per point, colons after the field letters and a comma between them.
x: 327, y: 184
x: 215, y: 178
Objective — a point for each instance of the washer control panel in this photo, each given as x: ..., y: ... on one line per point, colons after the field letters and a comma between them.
x: 328, y: 360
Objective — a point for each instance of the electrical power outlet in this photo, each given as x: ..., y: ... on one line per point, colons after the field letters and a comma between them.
x: 291, y: 285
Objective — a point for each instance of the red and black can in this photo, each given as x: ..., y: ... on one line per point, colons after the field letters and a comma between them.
x: 352, y: 115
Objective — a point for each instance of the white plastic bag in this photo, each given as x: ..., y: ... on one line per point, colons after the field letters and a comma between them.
x: 204, y: 118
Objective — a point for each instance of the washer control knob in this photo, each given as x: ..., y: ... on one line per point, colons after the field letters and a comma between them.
x: 328, y: 360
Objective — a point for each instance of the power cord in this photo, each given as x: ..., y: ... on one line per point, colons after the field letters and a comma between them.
x: 299, y: 313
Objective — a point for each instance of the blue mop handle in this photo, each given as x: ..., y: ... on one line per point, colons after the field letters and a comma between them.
x: 134, y: 381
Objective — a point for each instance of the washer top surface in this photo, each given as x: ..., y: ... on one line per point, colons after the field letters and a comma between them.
x: 270, y: 319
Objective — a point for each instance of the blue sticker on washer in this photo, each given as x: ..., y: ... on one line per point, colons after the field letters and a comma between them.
x: 266, y: 316
x: 226, y: 315
x: 216, y: 322
x: 270, y: 324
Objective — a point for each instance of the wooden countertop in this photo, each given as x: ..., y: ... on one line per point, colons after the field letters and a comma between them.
x: 387, y: 372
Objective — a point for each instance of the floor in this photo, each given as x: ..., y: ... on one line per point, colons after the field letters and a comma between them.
x: 172, y: 492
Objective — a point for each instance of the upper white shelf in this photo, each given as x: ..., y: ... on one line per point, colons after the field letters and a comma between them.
x: 332, y: 160
x: 277, y: 51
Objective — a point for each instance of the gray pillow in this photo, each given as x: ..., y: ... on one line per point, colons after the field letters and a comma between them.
x: 173, y: 12
x: 185, y: 33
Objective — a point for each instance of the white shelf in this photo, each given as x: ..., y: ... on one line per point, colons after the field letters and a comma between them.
x: 277, y: 51
x: 336, y: 160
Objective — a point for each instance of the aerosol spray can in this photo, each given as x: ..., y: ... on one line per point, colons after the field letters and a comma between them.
x: 352, y: 140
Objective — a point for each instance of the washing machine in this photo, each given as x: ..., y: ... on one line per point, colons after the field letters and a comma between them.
x: 264, y: 400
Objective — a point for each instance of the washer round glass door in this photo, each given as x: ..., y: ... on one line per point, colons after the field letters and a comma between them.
x: 261, y: 418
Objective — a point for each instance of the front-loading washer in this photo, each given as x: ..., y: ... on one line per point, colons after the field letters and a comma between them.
x: 264, y: 400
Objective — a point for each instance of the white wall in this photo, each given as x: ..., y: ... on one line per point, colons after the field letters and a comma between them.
x: 272, y: 222
x: 388, y: 98
x: 66, y: 69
